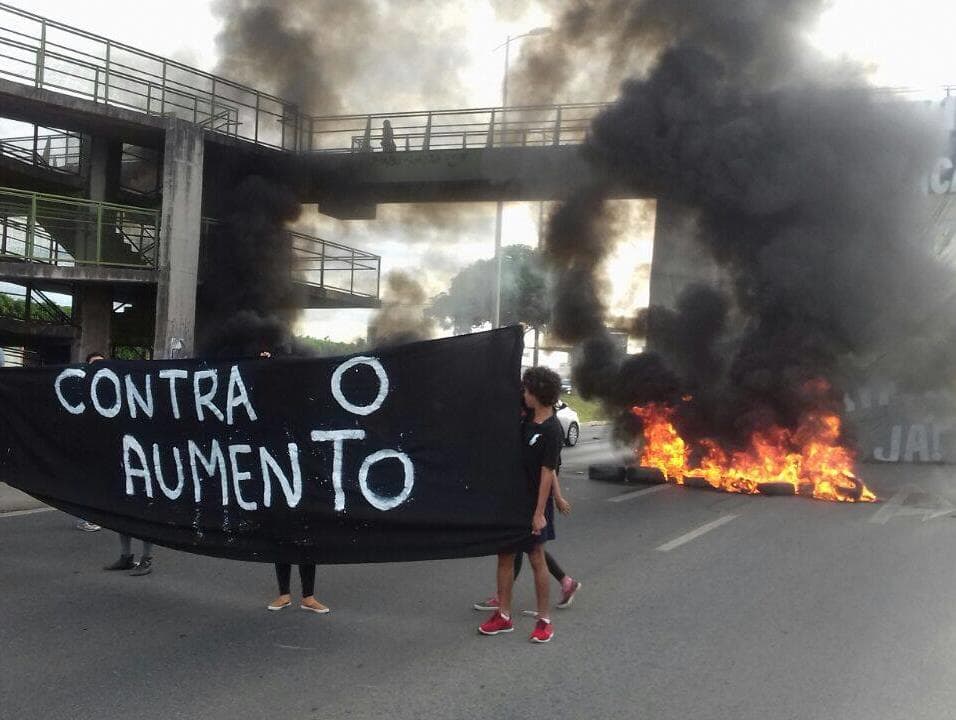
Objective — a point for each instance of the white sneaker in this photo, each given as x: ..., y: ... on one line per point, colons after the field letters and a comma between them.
x: 87, y: 526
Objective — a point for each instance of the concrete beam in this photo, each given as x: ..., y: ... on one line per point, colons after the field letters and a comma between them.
x: 18, y: 174
x: 476, y: 174
x: 31, y: 333
x: 45, y: 107
x: 348, y: 184
x: 18, y: 272
x: 180, y: 230
x: 317, y: 298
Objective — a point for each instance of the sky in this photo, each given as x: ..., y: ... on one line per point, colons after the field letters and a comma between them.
x: 903, y: 44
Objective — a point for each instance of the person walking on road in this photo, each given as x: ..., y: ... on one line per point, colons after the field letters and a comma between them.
x: 541, y: 449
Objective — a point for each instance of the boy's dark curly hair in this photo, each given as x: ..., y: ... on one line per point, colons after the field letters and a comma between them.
x: 543, y: 383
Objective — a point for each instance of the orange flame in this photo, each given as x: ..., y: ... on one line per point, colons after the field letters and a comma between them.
x: 809, y: 458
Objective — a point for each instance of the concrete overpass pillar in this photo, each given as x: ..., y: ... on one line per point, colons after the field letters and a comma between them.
x: 679, y: 258
x: 103, y: 158
x: 93, y: 311
x: 181, y: 226
x: 106, y: 158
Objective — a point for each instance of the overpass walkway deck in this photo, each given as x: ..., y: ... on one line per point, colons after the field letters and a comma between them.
x: 68, y: 78
x: 51, y: 241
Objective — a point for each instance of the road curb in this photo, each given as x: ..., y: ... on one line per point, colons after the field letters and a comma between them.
x: 13, y: 500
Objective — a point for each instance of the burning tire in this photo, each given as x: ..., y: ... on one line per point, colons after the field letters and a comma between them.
x: 649, y: 475
x: 776, y: 488
x: 853, y: 493
x: 606, y: 473
x: 696, y: 481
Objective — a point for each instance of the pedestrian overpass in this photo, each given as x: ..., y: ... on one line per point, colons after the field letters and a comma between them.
x: 116, y: 126
x: 119, y: 133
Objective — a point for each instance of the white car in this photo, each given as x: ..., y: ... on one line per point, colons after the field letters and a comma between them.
x: 569, y: 423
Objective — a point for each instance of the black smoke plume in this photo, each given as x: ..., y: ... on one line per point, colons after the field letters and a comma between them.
x: 247, y: 299
x: 401, y: 318
x: 345, y: 56
x: 798, y: 180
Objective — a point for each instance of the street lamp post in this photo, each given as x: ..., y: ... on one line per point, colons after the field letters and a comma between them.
x: 499, y: 207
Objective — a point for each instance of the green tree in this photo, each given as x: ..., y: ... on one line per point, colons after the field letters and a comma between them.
x: 14, y: 308
x: 331, y: 348
x: 470, y: 300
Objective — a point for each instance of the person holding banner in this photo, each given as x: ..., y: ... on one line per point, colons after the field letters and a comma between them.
x: 307, y: 578
x: 284, y: 576
x: 569, y: 586
x: 86, y: 525
x: 541, y: 450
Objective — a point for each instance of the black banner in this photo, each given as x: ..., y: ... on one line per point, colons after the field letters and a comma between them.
x: 412, y: 453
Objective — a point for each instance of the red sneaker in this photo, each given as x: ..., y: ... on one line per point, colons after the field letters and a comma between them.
x: 497, y: 624
x: 489, y: 604
x: 543, y: 632
x: 567, y: 596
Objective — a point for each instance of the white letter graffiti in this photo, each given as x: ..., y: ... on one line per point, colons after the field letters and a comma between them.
x: 108, y: 412
x: 937, y: 185
x: 133, y: 398
x: 239, y: 475
x: 173, y: 376
x: 382, y: 385
x: 57, y: 386
x: 896, y: 435
x: 171, y: 493
x: 215, y: 460
x: 383, y: 502
x: 237, y: 396
x: 205, y: 399
x: 337, y: 437
x: 131, y: 443
x: 293, y: 492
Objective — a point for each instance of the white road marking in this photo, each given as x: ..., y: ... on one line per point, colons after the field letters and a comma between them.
x: 894, y: 506
x: 638, y: 493
x: 14, y: 513
x: 693, y: 534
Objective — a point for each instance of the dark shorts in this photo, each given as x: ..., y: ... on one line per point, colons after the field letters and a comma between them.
x: 532, y: 541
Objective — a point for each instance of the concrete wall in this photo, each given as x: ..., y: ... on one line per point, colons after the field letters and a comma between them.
x: 181, y: 226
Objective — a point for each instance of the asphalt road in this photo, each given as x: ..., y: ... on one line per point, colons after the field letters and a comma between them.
x: 695, y: 604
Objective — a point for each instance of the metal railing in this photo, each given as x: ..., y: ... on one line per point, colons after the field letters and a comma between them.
x: 33, y: 306
x: 324, y: 264
x: 19, y: 356
x: 330, y: 265
x: 53, y: 56
x: 47, y: 148
x: 542, y: 125
x: 50, y: 55
x: 64, y: 231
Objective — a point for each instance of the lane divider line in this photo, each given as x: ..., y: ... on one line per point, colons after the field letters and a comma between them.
x: 638, y: 493
x: 694, y: 534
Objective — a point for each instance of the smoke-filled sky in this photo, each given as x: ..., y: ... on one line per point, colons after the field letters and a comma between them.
x: 386, y: 56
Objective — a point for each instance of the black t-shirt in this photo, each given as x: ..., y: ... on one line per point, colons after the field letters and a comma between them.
x: 541, y: 447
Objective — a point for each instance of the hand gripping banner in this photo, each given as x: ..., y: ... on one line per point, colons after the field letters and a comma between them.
x: 409, y: 453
